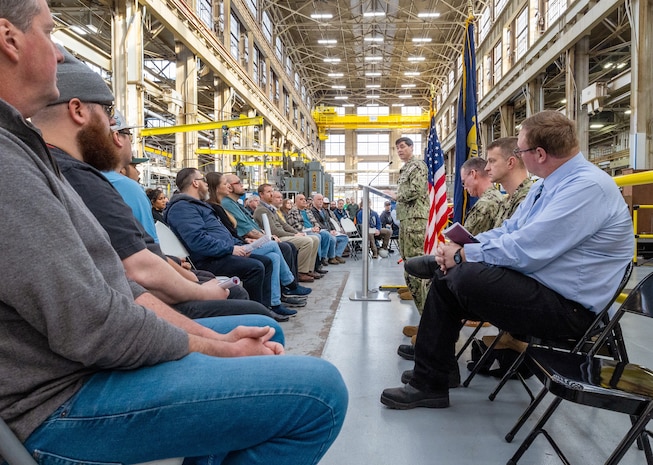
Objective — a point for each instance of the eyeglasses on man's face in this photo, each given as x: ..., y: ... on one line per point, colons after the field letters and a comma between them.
x: 109, y: 109
x: 518, y: 152
x: 125, y: 132
x: 203, y: 179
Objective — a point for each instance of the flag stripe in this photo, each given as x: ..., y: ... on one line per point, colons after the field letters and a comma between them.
x: 438, y: 210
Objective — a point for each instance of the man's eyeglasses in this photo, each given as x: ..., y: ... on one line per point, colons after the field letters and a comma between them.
x: 519, y: 152
x: 125, y: 132
x: 203, y: 179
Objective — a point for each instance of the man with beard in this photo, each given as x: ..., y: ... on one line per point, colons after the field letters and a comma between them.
x: 81, y: 141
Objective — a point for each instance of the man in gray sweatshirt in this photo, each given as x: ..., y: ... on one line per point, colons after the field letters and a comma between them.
x: 90, y: 372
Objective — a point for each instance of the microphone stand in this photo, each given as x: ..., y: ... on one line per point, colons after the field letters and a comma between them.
x: 379, y: 173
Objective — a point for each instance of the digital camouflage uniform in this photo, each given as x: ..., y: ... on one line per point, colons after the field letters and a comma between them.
x: 413, y: 213
x: 485, y: 211
x: 511, y: 203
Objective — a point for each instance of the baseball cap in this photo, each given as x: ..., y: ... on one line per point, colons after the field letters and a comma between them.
x: 121, y: 122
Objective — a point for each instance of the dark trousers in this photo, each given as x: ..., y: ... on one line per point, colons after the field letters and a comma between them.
x: 255, y: 272
x: 506, y: 298
x: 289, y: 252
x: 210, y: 308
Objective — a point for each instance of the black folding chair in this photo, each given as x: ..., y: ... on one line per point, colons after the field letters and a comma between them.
x: 596, y: 381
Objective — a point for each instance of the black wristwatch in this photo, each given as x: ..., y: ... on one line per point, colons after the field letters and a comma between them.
x: 457, y: 257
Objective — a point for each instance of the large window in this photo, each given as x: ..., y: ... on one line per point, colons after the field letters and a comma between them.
x: 334, y: 146
x: 498, y: 63
x: 372, y: 144
x: 417, y: 143
x: 251, y: 4
x: 255, y: 64
x: 337, y: 172
x: 521, y: 34
x: 278, y: 49
x: 204, y: 12
x: 235, y: 37
x: 266, y: 24
x: 411, y: 111
x: 373, y: 111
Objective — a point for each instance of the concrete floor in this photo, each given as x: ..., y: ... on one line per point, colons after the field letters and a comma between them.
x: 362, y: 342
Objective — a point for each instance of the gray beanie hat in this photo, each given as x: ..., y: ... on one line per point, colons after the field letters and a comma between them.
x: 76, y: 80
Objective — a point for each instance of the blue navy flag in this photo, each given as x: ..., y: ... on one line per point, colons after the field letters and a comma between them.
x: 466, y: 124
x: 438, y: 210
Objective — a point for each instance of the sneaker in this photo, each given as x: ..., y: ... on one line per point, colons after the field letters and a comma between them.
x: 333, y: 261
x: 281, y: 310
x: 325, y: 262
x: 299, y: 290
x: 293, y: 301
x: 279, y: 318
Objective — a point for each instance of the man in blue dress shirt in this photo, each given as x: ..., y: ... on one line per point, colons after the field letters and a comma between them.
x: 545, y: 272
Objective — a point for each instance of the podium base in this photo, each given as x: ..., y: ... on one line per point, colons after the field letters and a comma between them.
x: 371, y: 295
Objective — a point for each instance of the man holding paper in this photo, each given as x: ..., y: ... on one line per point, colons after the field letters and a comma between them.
x: 545, y: 272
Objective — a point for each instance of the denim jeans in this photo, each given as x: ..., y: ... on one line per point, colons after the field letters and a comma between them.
x: 341, y: 244
x: 325, y: 244
x: 279, y: 410
x: 281, y: 274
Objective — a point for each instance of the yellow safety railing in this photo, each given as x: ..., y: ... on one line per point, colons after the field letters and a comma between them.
x: 636, y: 179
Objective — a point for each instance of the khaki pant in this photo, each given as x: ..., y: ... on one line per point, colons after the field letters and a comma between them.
x: 307, y: 249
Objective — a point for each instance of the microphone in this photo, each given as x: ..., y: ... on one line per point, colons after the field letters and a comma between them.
x: 379, y: 173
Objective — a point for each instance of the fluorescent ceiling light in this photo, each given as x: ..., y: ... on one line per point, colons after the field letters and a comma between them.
x: 422, y: 39
x: 374, y: 58
x: 332, y: 60
x: 79, y: 30
x: 373, y: 86
x: 327, y: 41
x: 563, y: 101
x: 397, y: 104
x: 341, y: 97
x: 428, y: 15
x: 372, y: 96
x: 347, y: 104
x: 92, y: 28
x: 596, y: 125
x: 373, y: 39
x: 404, y: 96
x: 416, y: 58
x: 321, y: 16
x: 608, y: 65
x: 627, y: 112
x: 338, y: 87
x: 373, y: 74
x: 408, y: 86
x: 621, y: 65
x: 335, y: 75
x: 412, y: 73
x: 373, y: 14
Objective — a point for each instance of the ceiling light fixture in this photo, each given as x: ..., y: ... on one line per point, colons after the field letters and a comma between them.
x: 416, y: 59
x: 412, y: 73
x: 428, y: 15
x: 341, y: 97
x: 338, y: 87
x: 321, y: 16
x: 373, y: 14
x: 422, y: 39
x: 596, y: 125
x: 374, y: 58
x: 404, y: 96
x: 331, y: 60
x: 373, y: 86
x: 327, y: 41
x: 373, y: 39
x: 79, y: 30
x: 408, y: 86
x: 335, y: 75
x: 373, y: 74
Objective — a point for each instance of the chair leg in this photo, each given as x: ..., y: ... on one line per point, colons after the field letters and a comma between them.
x: 469, y: 340
x: 634, y: 433
x: 526, y: 414
x: 482, y: 360
x: 511, y: 371
x: 539, y: 428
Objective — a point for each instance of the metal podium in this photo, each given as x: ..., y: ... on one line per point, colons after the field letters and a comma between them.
x: 367, y: 294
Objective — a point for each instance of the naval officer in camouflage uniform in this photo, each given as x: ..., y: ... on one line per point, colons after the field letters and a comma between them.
x: 485, y: 211
x: 412, y: 212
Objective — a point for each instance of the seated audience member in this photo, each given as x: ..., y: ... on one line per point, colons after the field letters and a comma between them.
x: 332, y: 205
x: 530, y: 276
x: 211, y: 245
x: 476, y: 181
x: 301, y: 218
x: 82, y: 142
x: 158, y: 200
x: 507, y: 168
x: 323, y: 217
x: 307, y: 246
x: 340, y: 212
x: 81, y: 353
x: 251, y: 203
x: 387, y: 219
x: 131, y: 170
x: 281, y: 274
x: 376, y: 231
x: 247, y: 228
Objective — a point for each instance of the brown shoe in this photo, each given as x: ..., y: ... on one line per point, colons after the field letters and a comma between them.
x: 406, y: 296
x: 341, y: 260
x: 413, y: 339
x: 315, y: 275
x: 474, y: 324
x: 305, y: 278
x: 409, y: 331
x: 333, y: 261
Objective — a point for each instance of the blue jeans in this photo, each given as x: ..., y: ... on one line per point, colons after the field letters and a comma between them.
x: 279, y: 410
x: 325, y: 244
x: 281, y: 274
x: 341, y: 244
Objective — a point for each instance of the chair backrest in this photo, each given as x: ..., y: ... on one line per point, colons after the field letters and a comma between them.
x: 169, y: 242
x: 336, y: 225
x: 348, y: 225
x: 266, y: 225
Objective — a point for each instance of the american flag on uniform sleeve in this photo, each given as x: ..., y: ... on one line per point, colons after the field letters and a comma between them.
x: 438, y: 210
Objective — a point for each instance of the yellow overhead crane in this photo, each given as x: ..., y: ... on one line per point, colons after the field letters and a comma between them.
x: 229, y: 123
x: 327, y: 118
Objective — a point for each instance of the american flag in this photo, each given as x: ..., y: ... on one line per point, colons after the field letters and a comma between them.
x: 438, y: 211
